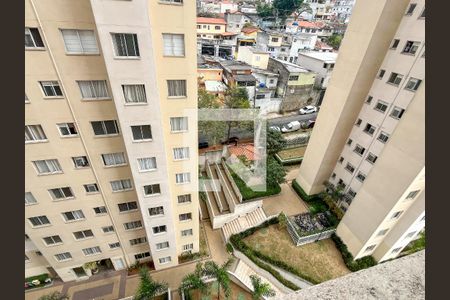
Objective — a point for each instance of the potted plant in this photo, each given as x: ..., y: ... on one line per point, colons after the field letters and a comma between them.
x: 91, y: 266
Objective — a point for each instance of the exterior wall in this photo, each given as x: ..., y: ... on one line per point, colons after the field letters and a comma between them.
x: 257, y: 60
x: 228, y: 6
x: 210, y: 29
x: 373, y: 26
x: 316, y: 66
x: 277, y: 43
x: 210, y: 74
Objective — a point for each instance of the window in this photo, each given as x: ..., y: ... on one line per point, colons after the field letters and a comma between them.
x: 51, y: 88
x: 67, y: 129
x: 411, y: 47
x: 52, y: 240
x: 262, y: 96
x: 147, y: 164
x: 121, y: 185
x: 349, y: 142
x: 350, y: 168
x: 381, y: 73
x: 352, y: 193
x: 411, y: 234
x: 370, y: 248
x: 93, y: 89
x: 372, y: 158
x: 114, y: 245
x: 217, y: 27
x: 108, y: 229
x: 397, y: 112
x: 180, y: 153
x: 185, y: 217
x: 186, y: 232
x: 26, y: 99
x: 108, y: 127
x: 395, y: 43
x: 125, y: 44
x: 165, y: 260
x: 62, y: 193
x: 100, y: 210
x: 395, y: 78
x: 397, y: 214
x: 80, y: 41
x: 114, y: 159
x: 73, y: 215
x: 80, y: 162
x: 34, y: 133
x: 413, y: 84
x: 382, y: 232
x: 29, y: 198
x: 47, y: 166
x: 159, y: 229
x: 134, y: 93
x: 141, y: 132
x: 27, y: 259
x: 141, y: 255
x: 132, y: 225
x: 293, y: 78
x: 63, y: 256
x: 383, y: 137
x: 361, y: 177
x: 333, y: 176
x: 127, y: 206
x: 92, y: 251
x: 38, y: 253
x: 381, y: 106
x: 33, y: 38
x: 83, y: 234
x: 413, y: 194
x: 188, y: 247
x: 274, y: 40
x: 155, y: 211
x: 152, y: 189
x: 270, y: 49
x: 138, y: 241
x: 39, y: 221
x: 359, y: 149
x: 369, y: 129
x: 183, y: 178
x: 422, y: 15
x: 369, y: 99
x: 341, y: 160
x: 184, y: 198
x: 173, y: 44
x: 91, y: 188
x: 411, y: 8
x: 358, y: 122
x: 161, y: 246
x: 178, y: 124
x: 176, y: 88
x: 396, y: 250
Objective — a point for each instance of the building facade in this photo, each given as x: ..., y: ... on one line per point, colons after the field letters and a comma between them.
x: 369, y: 137
x: 110, y: 151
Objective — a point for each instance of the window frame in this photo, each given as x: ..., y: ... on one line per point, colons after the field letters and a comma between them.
x: 33, y: 201
x: 48, y: 223
x: 151, y: 186
x: 55, y: 162
x: 122, y: 185
x: 183, y: 151
x: 85, y: 237
x: 159, y: 209
x: 397, y: 76
x: 66, y: 220
x: 185, y: 121
x: 172, y: 45
x: 128, y: 205
x: 141, y: 133
x: 53, y: 243
x: 400, y: 110
x: 135, y: 46
x: 415, y: 85
x: 105, y: 128
x: 135, y: 87
x: 82, y: 158
x: 35, y: 47
x: 147, y: 170
x: 116, y: 157
x: 135, y: 226
x: 62, y: 192
x: 83, y: 98
x: 52, y: 85
x: 97, y: 190
x: 380, y: 138
x: 80, y: 43
x: 32, y: 133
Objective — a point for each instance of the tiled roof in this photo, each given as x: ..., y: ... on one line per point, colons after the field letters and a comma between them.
x: 204, y: 20
x: 248, y: 30
x: 247, y: 150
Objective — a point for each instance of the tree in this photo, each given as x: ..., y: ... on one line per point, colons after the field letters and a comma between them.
x: 54, y: 296
x: 286, y: 7
x: 212, y: 130
x: 221, y: 275
x: 235, y: 98
x: 264, y: 10
x: 335, y: 40
x: 275, y: 141
x: 304, y: 7
x: 275, y: 172
x: 207, y: 100
x: 282, y: 221
x: 194, y: 281
x: 148, y: 288
x: 260, y: 288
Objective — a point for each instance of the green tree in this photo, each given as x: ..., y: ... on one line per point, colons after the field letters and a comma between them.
x: 212, y: 130
x: 207, y: 100
x: 285, y: 8
x: 194, y: 281
x: 264, y: 10
x: 282, y: 221
x: 54, y: 296
x: 221, y: 275
x: 304, y: 7
x: 235, y: 98
x: 260, y: 288
x: 335, y: 40
x: 275, y: 172
x: 275, y: 141
x: 148, y: 288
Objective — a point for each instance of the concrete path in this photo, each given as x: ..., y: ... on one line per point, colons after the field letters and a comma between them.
x: 287, y: 201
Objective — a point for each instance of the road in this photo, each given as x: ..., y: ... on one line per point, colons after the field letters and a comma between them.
x: 284, y: 120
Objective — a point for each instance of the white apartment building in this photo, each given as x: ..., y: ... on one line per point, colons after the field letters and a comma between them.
x: 321, y: 63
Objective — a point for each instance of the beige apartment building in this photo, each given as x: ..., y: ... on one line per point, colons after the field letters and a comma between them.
x: 370, y: 133
x: 110, y: 134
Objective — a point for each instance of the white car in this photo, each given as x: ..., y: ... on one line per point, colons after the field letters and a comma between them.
x: 275, y: 128
x: 307, y: 110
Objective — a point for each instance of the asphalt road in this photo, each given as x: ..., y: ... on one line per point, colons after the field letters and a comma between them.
x: 284, y: 120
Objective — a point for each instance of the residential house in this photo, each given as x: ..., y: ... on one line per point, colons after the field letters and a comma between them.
x: 239, y: 74
x: 322, y: 63
x: 266, y: 88
x: 213, y: 39
x: 342, y: 10
x: 253, y: 56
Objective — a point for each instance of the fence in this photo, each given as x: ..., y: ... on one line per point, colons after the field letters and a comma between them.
x: 302, y: 240
x: 297, y: 141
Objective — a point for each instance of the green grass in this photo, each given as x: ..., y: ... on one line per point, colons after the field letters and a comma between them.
x: 298, y: 189
x: 317, y: 206
x: 248, y: 193
x: 416, y: 245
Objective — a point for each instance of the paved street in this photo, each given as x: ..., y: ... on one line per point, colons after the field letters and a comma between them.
x: 286, y: 119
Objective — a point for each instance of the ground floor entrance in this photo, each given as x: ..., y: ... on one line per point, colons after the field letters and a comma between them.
x: 79, y: 272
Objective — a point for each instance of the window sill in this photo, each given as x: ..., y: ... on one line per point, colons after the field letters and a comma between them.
x: 53, y: 245
x: 379, y: 110
x: 179, y: 131
x: 184, y: 203
x: 134, y: 229
x: 63, y: 260
x: 41, y: 226
x: 30, y: 204
x: 92, y: 193
x: 411, y: 90
x: 101, y: 214
x: 152, y: 195
x: 47, y: 174
x: 143, y: 141
x: 127, y: 57
x: 409, y: 54
x: 148, y: 171
x: 170, y: 3
x: 181, y: 183
x: 81, y: 168
x: 35, y: 48
x: 95, y: 99
x: 135, y: 104
x: 390, y: 83
x: 115, y: 166
x: 127, y: 211
x: 73, y: 221
x: 181, y: 159
x: 176, y: 97
x: 65, y: 199
x: 185, y: 221
x: 156, y: 216
x: 161, y: 233
x: 27, y: 102
x: 121, y: 191
x: 112, y: 249
x: 93, y: 254
x: 86, y: 238
x: 368, y: 133
x: 36, y: 142
x: 82, y: 54
x: 157, y: 250
x: 69, y: 136
x: 393, y: 117
x: 53, y: 97
x: 175, y: 56
x: 106, y: 135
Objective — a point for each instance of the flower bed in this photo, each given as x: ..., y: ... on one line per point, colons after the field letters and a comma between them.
x: 353, y: 265
x: 41, y: 278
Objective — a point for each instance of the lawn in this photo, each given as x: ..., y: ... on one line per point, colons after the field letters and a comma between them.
x: 237, y: 293
x: 292, y: 153
x: 248, y: 193
x: 319, y: 260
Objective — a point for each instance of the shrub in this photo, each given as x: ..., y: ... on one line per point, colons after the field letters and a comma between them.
x: 353, y: 265
x: 317, y: 206
x: 229, y: 248
x: 334, y: 208
x: 298, y: 189
x: 248, y: 193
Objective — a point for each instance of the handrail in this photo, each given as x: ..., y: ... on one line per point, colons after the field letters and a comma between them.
x: 215, y: 189
x: 231, y: 180
x: 227, y: 189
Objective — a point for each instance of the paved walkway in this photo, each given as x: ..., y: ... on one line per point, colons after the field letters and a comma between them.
x: 287, y: 201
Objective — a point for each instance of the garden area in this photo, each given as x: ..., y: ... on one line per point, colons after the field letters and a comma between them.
x: 203, y: 252
x: 37, y: 281
x: 291, y: 156
x: 309, y: 223
x: 237, y: 293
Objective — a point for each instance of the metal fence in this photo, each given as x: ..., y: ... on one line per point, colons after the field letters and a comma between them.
x: 302, y: 240
x: 297, y: 141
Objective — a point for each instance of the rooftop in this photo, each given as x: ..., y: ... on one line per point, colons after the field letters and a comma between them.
x: 329, y: 57
x: 292, y: 68
x: 244, y: 77
x: 204, y: 20
x: 215, y: 86
x: 248, y: 30
x: 233, y: 65
x: 247, y: 150
x: 262, y: 71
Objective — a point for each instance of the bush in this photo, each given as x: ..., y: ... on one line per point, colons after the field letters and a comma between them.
x: 248, y: 193
x: 334, y: 208
x: 317, y: 206
x: 298, y: 189
x: 229, y: 248
x: 41, y: 278
x: 289, y: 162
x: 353, y: 265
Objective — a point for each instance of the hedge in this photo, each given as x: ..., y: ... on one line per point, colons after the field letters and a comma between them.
x: 289, y: 162
x: 248, y: 193
x: 298, y: 189
x: 334, y: 208
x: 353, y: 265
x: 237, y: 241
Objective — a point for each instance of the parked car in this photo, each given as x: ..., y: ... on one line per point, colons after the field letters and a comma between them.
x: 308, y: 124
x: 309, y: 109
x: 275, y: 128
x: 231, y: 140
x: 292, y: 126
x: 203, y: 144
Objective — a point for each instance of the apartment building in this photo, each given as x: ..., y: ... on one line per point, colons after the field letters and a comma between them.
x: 110, y: 134
x: 370, y: 133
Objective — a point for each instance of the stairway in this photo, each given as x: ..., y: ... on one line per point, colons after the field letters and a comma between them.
x: 239, y: 224
x: 243, y: 272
